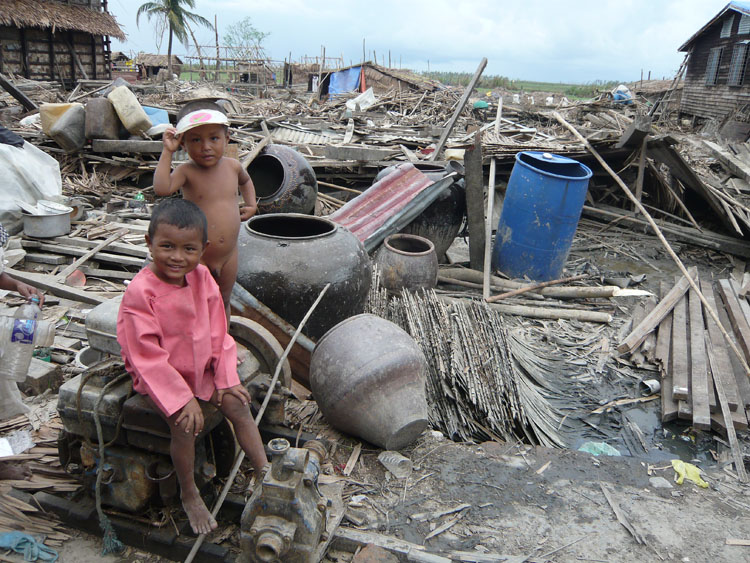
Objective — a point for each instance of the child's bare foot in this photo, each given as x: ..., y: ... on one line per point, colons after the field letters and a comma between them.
x: 11, y: 470
x: 200, y: 518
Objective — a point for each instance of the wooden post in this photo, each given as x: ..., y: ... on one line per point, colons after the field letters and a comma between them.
x: 641, y: 169
x: 459, y: 109
x: 25, y: 54
x: 218, y: 54
x: 51, y: 39
x: 475, y: 201
x: 23, y: 99
x: 490, y: 208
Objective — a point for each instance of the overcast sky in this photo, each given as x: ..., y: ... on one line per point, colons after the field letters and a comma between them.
x: 547, y: 40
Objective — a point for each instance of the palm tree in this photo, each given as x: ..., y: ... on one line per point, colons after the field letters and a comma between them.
x: 177, y: 16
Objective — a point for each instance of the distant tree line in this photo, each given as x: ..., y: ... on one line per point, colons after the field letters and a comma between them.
x: 491, y: 82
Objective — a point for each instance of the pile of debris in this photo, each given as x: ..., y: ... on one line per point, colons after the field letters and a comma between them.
x: 546, y: 363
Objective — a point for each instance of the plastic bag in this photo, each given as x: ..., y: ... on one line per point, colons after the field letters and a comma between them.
x: 688, y: 471
x: 598, y: 448
x: 365, y: 100
x: 29, y: 175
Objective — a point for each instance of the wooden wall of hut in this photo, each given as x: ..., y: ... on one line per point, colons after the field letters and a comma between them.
x: 40, y: 54
x: 720, y: 99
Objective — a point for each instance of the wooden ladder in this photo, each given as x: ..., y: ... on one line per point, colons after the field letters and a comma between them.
x: 663, y: 102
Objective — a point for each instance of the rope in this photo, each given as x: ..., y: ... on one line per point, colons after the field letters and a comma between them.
x: 111, y: 543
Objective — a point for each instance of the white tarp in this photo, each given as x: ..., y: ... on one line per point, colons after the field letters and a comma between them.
x: 27, y: 174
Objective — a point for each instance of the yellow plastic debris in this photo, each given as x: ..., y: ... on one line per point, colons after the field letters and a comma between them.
x: 688, y: 470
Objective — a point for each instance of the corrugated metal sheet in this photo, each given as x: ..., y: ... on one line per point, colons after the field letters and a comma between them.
x: 390, y: 204
x: 301, y: 136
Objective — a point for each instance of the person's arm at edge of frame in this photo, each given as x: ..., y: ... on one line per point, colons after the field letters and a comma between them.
x: 26, y: 290
x: 167, y: 182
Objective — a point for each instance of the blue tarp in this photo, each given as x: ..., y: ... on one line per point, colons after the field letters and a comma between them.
x: 344, y: 81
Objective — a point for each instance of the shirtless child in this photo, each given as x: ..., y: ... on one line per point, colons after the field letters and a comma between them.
x: 211, y: 181
x: 175, y: 345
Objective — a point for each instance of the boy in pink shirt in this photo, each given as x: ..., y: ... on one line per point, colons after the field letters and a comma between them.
x: 173, y: 333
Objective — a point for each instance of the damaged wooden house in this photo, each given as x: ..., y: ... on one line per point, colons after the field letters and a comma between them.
x: 56, y: 40
x: 716, y: 80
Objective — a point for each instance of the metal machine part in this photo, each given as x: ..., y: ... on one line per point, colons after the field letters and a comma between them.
x: 285, y: 517
x: 138, y: 470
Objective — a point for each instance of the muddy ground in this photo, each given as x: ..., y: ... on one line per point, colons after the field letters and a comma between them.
x: 538, y: 504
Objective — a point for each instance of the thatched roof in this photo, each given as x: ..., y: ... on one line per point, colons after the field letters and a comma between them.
x: 157, y: 60
x: 50, y: 13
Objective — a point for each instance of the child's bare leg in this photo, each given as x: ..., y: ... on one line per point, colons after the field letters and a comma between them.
x: 245, y: 430
x: 225, y: 275
x: 182, y: 450
x: 226, y: 280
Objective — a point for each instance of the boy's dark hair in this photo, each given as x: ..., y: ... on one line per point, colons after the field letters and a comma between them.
x: 196, y: 105
x: 180, y: 213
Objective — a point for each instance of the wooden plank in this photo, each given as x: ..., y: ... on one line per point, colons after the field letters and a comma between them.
x: 679, y: 354
x: 126, y: 146
x: 45, y: 258
x: 78, y: 251
x: 137, y: 250
x: 22, y: 98
x: 663, y: 359
x: 741, y: 380
x: 727, y: 420
x: 737, y: 318
x: 698, y: 364
x: 721, y: 365
x: 47, y: 283
x: 653, y: 319
x: 62, y: 276
x: 636, y: 132
x: 475, y: 202
x: 459, y: 108
x: 108, y: 274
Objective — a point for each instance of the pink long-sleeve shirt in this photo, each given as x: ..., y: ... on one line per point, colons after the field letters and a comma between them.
x: 174, y: 339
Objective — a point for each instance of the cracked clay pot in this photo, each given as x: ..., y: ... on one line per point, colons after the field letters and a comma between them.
x: 284, y: 181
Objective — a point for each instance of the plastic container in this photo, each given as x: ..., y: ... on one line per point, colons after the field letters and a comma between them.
x: 101, y: 326
x: 21, y: 334
x: 101, y: 120
x: 129, y: 110
x: 50, y: 113
x: 69, y: 130
x: 540, y: 215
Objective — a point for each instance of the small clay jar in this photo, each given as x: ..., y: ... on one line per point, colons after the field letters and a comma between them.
x: 407, y: 262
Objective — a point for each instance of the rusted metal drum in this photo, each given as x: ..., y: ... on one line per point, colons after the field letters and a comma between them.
x: 284, y: 181
x: 368, y: 378
x: 407, y: 262
x: 285, y: 260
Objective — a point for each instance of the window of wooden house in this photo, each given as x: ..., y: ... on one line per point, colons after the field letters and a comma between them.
x: 737, y: 66
x: 726, y: 28
x: 712, y: 68
x: 744, y: 28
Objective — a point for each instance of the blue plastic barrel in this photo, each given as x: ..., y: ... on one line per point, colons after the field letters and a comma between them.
x: 540, y: 214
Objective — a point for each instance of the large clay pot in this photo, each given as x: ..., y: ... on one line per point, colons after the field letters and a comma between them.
x: 407, y: 262
x: 442, y: 219
x: 368, y: 377
x: 284, y: 181
x: 285, y: 260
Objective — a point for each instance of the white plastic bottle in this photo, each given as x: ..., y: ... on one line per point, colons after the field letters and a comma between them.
x: 24, y: 332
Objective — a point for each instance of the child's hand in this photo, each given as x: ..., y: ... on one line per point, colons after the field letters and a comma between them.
x: 246, y: 212
x: 191, y: 417
x: 171, y: 139
x: 238, y: 391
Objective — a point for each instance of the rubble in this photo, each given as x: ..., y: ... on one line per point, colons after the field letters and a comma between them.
x: 535, y: 363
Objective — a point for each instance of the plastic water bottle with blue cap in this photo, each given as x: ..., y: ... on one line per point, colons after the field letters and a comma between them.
x: 23, y: 332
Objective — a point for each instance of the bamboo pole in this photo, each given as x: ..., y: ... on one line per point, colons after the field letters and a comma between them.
x: 532, y: 287
x: 490, y: 206
x: 661, y: 237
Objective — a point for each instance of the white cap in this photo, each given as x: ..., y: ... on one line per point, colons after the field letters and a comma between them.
x: 201, y: 117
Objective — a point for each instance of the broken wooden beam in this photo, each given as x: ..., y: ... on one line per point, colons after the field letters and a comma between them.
x: 22, y: 98
x: 657, y: 314
x: 698, y: 365
x: 636, y: 132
